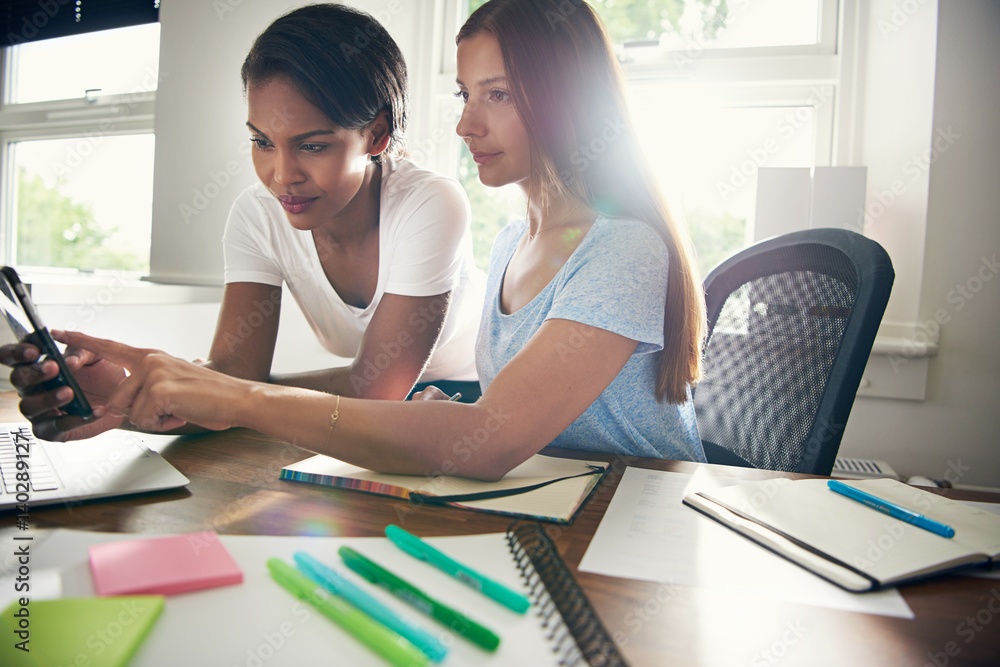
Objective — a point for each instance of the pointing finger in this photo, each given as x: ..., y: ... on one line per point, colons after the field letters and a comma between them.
x: 113, y: 351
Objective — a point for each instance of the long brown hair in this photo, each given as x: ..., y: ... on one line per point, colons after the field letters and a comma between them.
x: 569, y: 91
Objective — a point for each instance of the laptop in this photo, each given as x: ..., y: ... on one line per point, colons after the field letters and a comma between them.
x: 116, y: 463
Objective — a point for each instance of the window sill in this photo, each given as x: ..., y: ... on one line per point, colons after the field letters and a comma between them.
x: 50, y: 289
x: 900, y: 357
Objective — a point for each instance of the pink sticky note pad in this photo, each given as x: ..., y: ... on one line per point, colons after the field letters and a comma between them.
x: 162, y: 565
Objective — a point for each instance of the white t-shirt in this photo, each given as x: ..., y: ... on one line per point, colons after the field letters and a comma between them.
x: 425, y: 249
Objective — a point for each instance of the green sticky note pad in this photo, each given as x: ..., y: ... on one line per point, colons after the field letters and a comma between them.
x: 84, y: 632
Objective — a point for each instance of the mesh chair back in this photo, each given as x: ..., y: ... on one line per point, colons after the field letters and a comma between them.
x: 791, y: 324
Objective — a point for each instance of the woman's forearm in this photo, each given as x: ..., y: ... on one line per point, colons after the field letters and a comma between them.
x: 419, y: 438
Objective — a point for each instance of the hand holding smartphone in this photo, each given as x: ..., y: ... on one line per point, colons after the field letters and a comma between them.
x: 22, y: 317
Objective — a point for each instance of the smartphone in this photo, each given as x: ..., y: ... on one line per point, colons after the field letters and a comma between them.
x: 22, y: 316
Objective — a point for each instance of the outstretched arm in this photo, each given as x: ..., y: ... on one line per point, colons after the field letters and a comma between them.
x: 547, y: 385
x: 394, y: 350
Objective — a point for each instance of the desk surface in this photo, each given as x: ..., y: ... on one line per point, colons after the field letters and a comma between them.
x: 235, y: 489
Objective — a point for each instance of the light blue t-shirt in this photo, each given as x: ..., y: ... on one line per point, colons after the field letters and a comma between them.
x: 615, y: 280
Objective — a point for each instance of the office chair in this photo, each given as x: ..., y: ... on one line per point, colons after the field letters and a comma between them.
x: 791, y: 323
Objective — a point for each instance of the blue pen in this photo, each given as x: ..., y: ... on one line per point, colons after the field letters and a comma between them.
x: 335, y: 583
x: 892, y: 509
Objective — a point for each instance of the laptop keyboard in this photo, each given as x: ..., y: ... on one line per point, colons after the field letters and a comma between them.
x: 21, y: 444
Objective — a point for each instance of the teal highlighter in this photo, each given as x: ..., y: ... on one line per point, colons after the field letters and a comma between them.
x: 395, y: 649
x: 332, y: 581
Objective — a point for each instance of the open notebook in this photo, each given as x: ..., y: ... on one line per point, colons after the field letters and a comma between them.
x: 115, y: 463
x: 847, y: 542
x: 543, y: 487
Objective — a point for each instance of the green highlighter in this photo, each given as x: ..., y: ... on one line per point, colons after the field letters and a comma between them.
x: 397, y: 650
x: 407, y: 592
x: 494, y: 590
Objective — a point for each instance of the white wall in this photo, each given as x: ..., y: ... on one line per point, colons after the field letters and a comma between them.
x: 954, y: 433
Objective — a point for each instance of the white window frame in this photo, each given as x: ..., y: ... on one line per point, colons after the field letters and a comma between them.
x: 755, y: 76
x: 84, y: 118
x: 819, y: 75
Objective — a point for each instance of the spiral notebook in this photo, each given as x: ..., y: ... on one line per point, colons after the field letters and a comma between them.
x: 274, y: 628
x: 579, y: 637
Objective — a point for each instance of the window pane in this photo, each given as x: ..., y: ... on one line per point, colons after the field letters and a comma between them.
x: 492, y: 208
x: 84, y: 203
x: 114, y: 61
x: 708, y: 24
x: 711, y: 24
x: 705, y: 154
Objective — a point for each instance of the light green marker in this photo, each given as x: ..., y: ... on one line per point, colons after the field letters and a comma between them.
x: 392, y: 646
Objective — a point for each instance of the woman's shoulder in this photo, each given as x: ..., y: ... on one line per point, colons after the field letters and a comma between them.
x: 403, y: 178
x: 624, y: 239
x: 256, y: 199
x: 618, y: 231
x: 256, y: 206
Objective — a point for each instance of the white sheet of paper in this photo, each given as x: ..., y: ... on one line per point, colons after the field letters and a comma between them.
x: 647, y: 533
x: 995, y: 572
x: 258, y: 623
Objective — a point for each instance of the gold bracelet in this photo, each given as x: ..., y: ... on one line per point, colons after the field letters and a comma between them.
x: 334, y: 416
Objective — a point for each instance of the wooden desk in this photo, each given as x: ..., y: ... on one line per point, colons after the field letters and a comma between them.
x: 235, y: 489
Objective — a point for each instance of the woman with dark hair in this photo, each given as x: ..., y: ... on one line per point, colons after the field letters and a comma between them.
x: 593, y: 320
x: 376, y: 251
